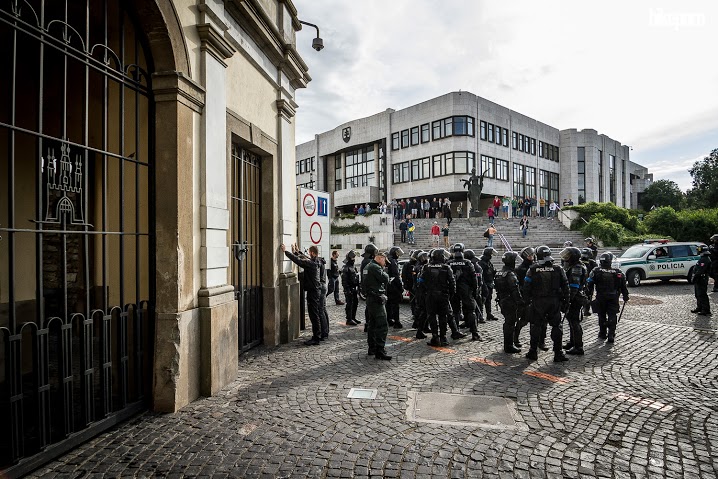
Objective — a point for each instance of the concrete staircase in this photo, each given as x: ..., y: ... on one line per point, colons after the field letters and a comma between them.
x: 469, y: 231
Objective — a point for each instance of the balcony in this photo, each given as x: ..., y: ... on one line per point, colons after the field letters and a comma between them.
x: 355, y: 196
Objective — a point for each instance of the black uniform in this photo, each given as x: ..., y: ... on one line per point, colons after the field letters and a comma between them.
x: 437, y: 282
x: 488, y: 276
x: 333, y: 278
x: 394, y: 292
x: 313, y: 290
x: 577, y: 276
x: 363, y: 265
x: 323, y: 315
x: 608, y: 283
x: 713, y: 248
x: 407, y: 281
x: 510, y: 302
x: 463, y: 299
x: 419, y: 302
x: 524, y: 310
x: 374, y: 283
x: 590, y: 265
x: 480, y: 288
x: 350, y: 284
x: 700, y: 284
x: 547, y: 287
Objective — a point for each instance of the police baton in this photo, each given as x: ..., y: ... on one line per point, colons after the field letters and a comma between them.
x: 621, y: 315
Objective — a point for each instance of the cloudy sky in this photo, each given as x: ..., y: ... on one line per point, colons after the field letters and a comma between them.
x: 642, y: 72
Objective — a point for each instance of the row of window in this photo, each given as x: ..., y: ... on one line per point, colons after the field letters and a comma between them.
x: 451, y: 126
x: 494, y: 168
x: 524, y: 143
x: 548, y: 151
x: 494, y: 134
x: 310, y: 184
x: 304, y: 166
x: 455, y: 162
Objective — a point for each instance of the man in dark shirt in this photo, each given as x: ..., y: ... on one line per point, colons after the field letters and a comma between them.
x: 311, y: 285
x: 333, y: 278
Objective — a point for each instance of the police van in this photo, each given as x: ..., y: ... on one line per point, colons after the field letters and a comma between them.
x: 658, y: 259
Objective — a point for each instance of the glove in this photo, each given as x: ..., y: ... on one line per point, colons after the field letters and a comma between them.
x: 383, y: 298
x: 625, y: 299
x: 564, y: 307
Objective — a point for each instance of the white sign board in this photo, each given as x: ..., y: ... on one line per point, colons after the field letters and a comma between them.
x: 314, y: 220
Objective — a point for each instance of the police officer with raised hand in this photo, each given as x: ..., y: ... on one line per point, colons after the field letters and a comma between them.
x: 713, y: 248
x: 527, y: 256
x: 368, y: 255
x: 395, y: 289
x: 577, y: 276
x: 374, y: 285
x: 463, y: 299
x: 350, y: 285
x: 311, y: 286
x: 590, y: 264
x: 480, y: 286
x: 609, y: 283
x: 509, y: 298
x: 437, y: 280
x: 489, y: 272
x: 700, y: 281
x: 422, y: 259
x: 407, y: 281
x: 546, y: 284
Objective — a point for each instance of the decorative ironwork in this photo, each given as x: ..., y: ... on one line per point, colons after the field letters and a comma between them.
x: 64, y: 179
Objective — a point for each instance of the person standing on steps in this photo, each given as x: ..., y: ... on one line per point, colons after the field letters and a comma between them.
x: 403, y: 227
x: 435, y: 232
x: 410, y: 227
x: 374, y: 284
x: 445, y: 232
x: 524, y: 226
x: 490, y: 233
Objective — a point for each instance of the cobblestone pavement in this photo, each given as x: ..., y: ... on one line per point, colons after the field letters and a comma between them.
x: 643, y: 407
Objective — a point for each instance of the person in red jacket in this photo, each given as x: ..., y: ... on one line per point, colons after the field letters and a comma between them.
x: 435, y: 231
x: 490, y: 213
x: 497, y: 205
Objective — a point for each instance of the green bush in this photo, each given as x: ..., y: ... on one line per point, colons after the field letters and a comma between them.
x: 608, y: 232
x: 684, y: 225
x: 609, y: 211
x: 346, y: 216
x: 350, y: 229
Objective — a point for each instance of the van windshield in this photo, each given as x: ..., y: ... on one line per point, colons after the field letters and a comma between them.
x: 636, y: 251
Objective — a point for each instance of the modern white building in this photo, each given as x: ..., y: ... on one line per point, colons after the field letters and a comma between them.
x: 425, y: 150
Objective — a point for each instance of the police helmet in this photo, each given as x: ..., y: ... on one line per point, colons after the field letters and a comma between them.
x: 590, y: 240
x: 469, y: 254
x: 351, y: 255
x: 422, y: 257
x: 714, y: 238
x: 543, y: 254
x: 528, y: 252
x: 370, y: 250
x: 571, y: 254
x: 586, y: 253
x: 489, y: 251
x: 414, y: 255
x: 439, y: 255
x: 458, y: 248
x: 606, y: 259
x: 509, y: 258
x: 566, y: 244
x: 395, y: 252
x: 703, y: 250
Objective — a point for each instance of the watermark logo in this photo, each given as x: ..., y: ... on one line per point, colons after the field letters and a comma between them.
x: 658, y: 17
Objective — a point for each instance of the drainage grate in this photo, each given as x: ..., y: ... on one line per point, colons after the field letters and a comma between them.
x: 358, y: 393
x: 463, y: 410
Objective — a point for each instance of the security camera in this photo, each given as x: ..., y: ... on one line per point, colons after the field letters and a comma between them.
x: 318, y: 44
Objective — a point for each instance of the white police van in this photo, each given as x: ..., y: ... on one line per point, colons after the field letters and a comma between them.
x: 658, y: 259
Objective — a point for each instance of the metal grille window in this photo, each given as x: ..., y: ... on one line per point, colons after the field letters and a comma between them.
x: 77, y: 223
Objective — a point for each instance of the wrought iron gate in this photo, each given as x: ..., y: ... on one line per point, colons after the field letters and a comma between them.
x: 246, y: 229
x: 76, y: 219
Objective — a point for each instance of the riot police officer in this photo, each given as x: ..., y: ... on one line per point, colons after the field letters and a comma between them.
x: 437, y: 281
x: 480, y: 286
x: 609, y: 283
x: 547, y: 286
x: 407, y: 281
x: 713, y: 248
x: 463, y: 300
x: 489, y: 272
x: 374, y: 284
x: 350, y: 284
x: 577, y: 276
x: 527, y: 256
x: 700, y: 282
x: 395, y: 289
x: 591, y: 244
x: 368, y: 255
x: 509, y: 298
x: 590, y: 264
x: 422, y: 259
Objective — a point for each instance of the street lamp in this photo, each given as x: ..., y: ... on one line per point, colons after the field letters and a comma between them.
x: 317, y: 43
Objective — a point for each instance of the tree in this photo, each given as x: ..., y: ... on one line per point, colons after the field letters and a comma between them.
x: 705, y: 181
x: 661, y: 193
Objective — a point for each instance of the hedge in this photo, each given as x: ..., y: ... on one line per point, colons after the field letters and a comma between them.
x: 684, y: 225
x: 350, y: 229
x: 609, y: 211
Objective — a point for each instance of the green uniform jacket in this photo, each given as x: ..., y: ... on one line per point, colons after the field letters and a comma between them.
x: 375, y: 281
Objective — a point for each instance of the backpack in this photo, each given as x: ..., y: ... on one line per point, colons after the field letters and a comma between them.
x: 486, y: 233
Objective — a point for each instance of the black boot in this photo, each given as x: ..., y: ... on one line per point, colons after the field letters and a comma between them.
x: 382, y: 355
x: 443, y: 341
x: 559, y: 357
x: 475, y: 337
x: 457, y: 335
x: 509, y: 348
x: 542, y: 346
x: 420, y: 335
x: 532, y: 355
x: 517, y: 343
x: 574, y: 350
x: 434, y: 341
x: 397, y: 324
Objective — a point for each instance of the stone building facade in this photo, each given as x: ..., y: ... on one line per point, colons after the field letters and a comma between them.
x: 425, y: 150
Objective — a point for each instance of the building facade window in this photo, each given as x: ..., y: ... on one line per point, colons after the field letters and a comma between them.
x: 405, y: 138
x: 483, y: 130
x: 612, y: 177
x: 581, y: 162
x: 455, y: 162
x: 453, y: 126
x: 519, y: 180
x: 415, y: 136
x: 502, y: 170
x: 395, y: 141
x: 436, y: 130
x: 533, y: 146
x: 497, y: 134
x: 338, y: 173
x: 553, y: 187
x: 623, y: 183
x: 401, y: 172
x: 543, y: 184
x: 550, y: 152
x: 521, y: 142
x: 487, y: 166
x: 514, y: 140
x: 490, y: 133
x: 310, y: 185
x: 506, y: 137
x: 600, y: 176
x: 530, y: 175
x: 360, y: 168
x: 304, y: 166
x: 425, y: 133
x: 541, y: 149
x: 420, y: 169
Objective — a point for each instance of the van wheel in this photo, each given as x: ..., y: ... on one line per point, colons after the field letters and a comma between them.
x: 691, y: 275
x: 633, y: 278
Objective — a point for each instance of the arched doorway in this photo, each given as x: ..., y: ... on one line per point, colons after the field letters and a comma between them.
x: 77, y: 224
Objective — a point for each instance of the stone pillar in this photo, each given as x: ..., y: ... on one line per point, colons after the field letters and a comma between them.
x: 217, y: 305
x: 377, y: 166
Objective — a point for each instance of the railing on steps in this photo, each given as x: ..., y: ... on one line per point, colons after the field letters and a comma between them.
x: 505, y: 242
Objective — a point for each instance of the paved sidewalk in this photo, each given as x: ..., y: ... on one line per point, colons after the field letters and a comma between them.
x: 644, y: 407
